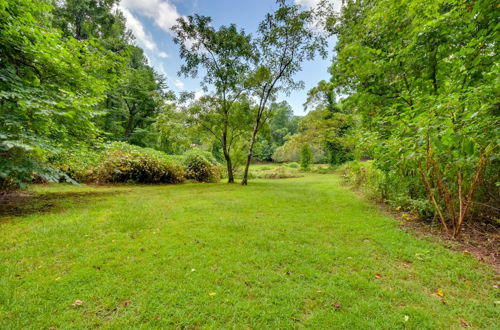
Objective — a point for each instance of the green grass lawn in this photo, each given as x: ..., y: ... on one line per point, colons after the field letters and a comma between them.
x: 290, y: 253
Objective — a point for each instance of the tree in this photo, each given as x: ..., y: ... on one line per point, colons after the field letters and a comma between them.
x: 422, y: 77
x: 225, y: 55
x: 87, y: 19
x: 136, y: 100
x: 204, y: 117
x: 286, y: 39
x: 328, y: 123
x: 49, y: 87
x: 136, y: 92
x: 281, y: 124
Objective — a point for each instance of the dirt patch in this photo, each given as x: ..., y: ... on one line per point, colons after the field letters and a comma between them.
x: 24, y: 203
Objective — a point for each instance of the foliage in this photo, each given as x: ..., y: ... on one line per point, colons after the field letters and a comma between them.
x: 122, y: 162
x: 68, y: 74
x: 201, y: 166
x: 422, y: 77
x: 136, y: 100
x: 286, y: 38
x: 78, y: 162
x: 49, y: 86
x: 306, y: 157
x: 281, y: 124
x: 325, y: 133
x: 225, y: 55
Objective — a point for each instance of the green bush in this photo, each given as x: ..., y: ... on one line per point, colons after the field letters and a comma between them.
x: 281, y: 173
x: 293, y: 165
x: 201, y: 166
x: 122, y: 162
x: 380, y: 186
x: 306, y: 157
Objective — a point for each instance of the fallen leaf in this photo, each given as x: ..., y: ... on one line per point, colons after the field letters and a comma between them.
x: 157, y: 317
x: 378, y: 275
x: 212, y: 294
x: 213, y: 268
x: 464, y: 323
x: 77, y: 303
x: 126, y: 303
x: 336, y: 304
x: 440, y: 292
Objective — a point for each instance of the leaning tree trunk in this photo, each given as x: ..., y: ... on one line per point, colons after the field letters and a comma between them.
x: 244, y: 181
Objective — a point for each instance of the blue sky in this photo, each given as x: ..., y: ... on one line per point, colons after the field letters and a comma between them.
x: 150, y: 22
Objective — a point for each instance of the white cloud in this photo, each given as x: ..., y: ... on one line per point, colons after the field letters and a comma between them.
x: 163, y: 55
x: 179, y: 84
x: 312, y: 3
x: 163, y: 12
x: 143, y: 38
x: 198, y: 94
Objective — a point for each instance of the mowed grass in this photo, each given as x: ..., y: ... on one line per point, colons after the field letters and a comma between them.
x: 290, y: 253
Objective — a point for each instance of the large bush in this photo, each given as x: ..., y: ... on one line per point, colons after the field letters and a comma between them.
x: 201, y: 166
x: 120, y: 162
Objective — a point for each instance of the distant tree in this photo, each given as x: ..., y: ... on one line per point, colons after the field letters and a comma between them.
x: 281, y: 124
x: 225, y: 55
x: 328, y: 123
x: 306, y: 157
x: 139, y: 96
x: 286, y: 39
x: 204, y: 117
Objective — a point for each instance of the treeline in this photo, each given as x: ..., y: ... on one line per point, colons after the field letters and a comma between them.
x: 422, y: 79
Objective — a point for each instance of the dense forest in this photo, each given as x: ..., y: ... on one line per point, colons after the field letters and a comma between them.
x: 411, y: 109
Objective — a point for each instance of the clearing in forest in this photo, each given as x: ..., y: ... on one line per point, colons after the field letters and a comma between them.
x: 299, y: 252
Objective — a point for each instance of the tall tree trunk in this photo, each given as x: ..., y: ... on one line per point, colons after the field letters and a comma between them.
x: 229, y: 166
x: 244, y: 181
x: 227, y: 155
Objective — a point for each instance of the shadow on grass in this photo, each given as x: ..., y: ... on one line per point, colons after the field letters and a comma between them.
x: 18, y: 204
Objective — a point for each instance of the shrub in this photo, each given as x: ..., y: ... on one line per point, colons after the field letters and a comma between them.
x: 201, y: 166
x: 293, y: 165
x: 78, y: 164
x: 390, y: 188
x: 122, y: 162
x: 281, y: 173
x: 306, y: 157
